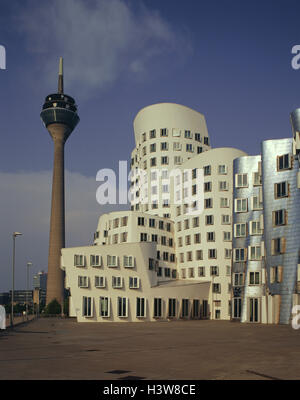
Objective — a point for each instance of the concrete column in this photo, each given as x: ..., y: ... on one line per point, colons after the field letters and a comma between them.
x: 55, y: 279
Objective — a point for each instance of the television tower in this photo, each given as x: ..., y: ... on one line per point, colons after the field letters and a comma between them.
x: 59, y: 115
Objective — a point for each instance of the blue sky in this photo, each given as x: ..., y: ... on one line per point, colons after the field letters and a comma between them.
x: 230, y: 60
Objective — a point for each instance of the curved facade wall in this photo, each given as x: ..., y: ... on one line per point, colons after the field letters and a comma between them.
x: 289, y: 232
x: 166, y: 136
x: 247, y: 291
x: 208, y: 257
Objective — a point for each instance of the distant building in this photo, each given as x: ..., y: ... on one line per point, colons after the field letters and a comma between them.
x: 40, y: 287
x: 40, y: 280
x: 4, y: 298
x: 21, y: 296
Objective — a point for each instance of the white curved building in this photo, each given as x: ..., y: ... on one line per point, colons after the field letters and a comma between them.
x: 166, y: 136
x: 175, y: 244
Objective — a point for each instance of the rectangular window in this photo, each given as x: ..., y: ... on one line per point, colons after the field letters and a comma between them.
x: 281, y: 190
x: 256, y: 203
x: 189, y: 147
x: 104, y: 307
x: 214, y: 271
x: 276, y: 274
x: 224, y: 202
x: 95, y: 261
x: 254, y: 278
x: 153, y: 162
x: 240, y: 255
x: 185, y: 308
x: 207, y: 170
x: 255, y: 228
x: 208, y: 203
x: 212, y: 253
x: 87, y: 307
x: 191, y: 272
x: 225, y: 220
x: 152, y: 148
x: 227, y: 253
x: 216, y: 288
x: 172, y: 308
x: 257, y: 179
x: 241, y: 205
x: 83, y: 281
x: 140, y: 307
x: 237, y: 307
x: 223, y: 185
x: 240, y: 230
x: 134, y: 282
x: 198, y: 137
x: 209, y: 220
x: 117, y: 282
x: 79, y: 260
x: 197, y: 238
x: 141, y: 221
x: 153, y: 134
x: 164, y: 160
x: 157, y: 312
x: 241, y: 180
x: 238, y: 279
x: 112, y: 261
x: 222, y: 169
x: 143, y: 237
x: 279, y: 217
x: 100, y: 281
x: 226, y: 236
x: 151, y: 222
x: 163, y: 132
x: 254, y: 253
x: 284, y: 162
x: 122, y: 307
x: 195, y: 222
x: 199, y: 254
x: 201, y: 271
x: 278, y: 246
x: 210, y: 236
x: 207, y: 186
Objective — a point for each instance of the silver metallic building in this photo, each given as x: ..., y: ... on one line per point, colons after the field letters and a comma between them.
x: 266, y: 255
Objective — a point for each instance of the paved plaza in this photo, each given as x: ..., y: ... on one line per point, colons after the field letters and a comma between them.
x: 54, y: 348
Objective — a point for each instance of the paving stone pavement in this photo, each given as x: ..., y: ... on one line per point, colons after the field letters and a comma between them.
x: 55, y: 348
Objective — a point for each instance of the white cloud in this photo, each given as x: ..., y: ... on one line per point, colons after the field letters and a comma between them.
x: 100, y: 40
x: 25, y: 203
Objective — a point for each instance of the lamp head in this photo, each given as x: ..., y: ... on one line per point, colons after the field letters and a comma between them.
x: 15, y: 234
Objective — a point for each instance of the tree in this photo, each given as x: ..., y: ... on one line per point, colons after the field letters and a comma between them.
x: 53, y: 308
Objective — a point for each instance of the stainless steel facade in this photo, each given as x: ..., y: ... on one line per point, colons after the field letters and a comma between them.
x: 290, y: 231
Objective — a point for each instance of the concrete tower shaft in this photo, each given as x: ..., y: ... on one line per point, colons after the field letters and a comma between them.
x: 59, y: 116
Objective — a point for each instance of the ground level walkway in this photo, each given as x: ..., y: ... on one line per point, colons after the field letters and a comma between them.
x: 57, y: 348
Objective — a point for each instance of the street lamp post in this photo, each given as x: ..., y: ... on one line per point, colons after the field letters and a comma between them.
x: 15, y: 234
x: 29, y: 264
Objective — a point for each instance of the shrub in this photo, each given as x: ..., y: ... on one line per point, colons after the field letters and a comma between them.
x: 53, y: 308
